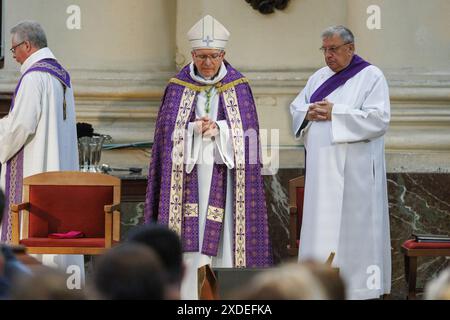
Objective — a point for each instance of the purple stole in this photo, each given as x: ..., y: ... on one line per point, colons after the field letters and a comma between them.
x: 172, y: 194
x: 356, y: 65
x: 335, y: 81
x: 216, y: 205
x: 14, y: 166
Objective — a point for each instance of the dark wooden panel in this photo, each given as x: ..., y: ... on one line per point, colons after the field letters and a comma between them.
x: 5, y: 103
x: 133, y: 190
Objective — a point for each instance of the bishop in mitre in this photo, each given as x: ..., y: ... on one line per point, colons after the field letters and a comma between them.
x: 205, y: 179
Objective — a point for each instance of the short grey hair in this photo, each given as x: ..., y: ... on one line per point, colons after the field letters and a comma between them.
x: 30, y: 31
x: 344, y: 33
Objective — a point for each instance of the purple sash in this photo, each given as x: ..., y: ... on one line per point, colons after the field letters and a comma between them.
x: 335, y: 81
x: 14, y: 166
x: 356, y: 65
x: 216, y: 206
x: 216, y: 202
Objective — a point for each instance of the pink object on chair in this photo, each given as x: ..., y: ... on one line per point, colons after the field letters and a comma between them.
x: 67, y: 235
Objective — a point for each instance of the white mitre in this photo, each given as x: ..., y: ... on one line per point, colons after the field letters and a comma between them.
x: 208, y: 33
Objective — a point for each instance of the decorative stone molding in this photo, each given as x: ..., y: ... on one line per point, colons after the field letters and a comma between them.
x: 125, y: 105
x: 268, y: 6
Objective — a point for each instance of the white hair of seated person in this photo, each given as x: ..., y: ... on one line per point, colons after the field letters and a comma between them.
x: 439, y: 288
x: 44, y: 284
x: 291, y: 281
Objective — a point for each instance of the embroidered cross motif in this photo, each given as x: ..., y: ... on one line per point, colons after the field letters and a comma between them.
x: 207, y: 41
x: 190, y: 210
x: 215, y: 214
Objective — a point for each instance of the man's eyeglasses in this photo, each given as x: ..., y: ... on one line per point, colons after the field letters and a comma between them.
x: 213, y: 57
x: 332, y: 50
x: 13, y: 49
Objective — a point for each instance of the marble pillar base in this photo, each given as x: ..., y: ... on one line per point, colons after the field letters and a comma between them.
x: 418, y: 202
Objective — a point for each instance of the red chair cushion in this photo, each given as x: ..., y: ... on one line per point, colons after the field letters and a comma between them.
x: 300, y: 196
x: 47, y: 242
x: 60, y: 209
x: 412, y: 244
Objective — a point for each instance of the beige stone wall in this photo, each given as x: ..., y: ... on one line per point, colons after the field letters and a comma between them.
x: 414, y: 34
x: 119, y: 60
x: 115, y: 34
x: 280, y: 51
x: 126, y: 51
x: 284, y: 41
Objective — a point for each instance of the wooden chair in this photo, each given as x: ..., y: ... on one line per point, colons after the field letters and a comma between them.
x: 207, y: 284
x: 20, y: 252
x: 58, y: 202
x: 411, y: 251
x: 296, y: 195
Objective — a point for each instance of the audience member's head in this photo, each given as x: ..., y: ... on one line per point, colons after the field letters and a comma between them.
x: 439, y: 288
x: 291, y: 281
x: 130, y: 271
x: 167, y: 244
x: 329, y: 278
x: 44, y: 284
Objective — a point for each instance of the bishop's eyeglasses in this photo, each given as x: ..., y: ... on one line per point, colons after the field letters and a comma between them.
x: 13, y: 49
x: 213, y: 57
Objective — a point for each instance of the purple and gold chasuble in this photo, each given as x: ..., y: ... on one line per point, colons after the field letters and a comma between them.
x: 172, y: 194
x: 14, y: 166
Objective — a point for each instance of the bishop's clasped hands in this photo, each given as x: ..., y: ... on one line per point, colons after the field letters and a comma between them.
x: 206, y: 127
